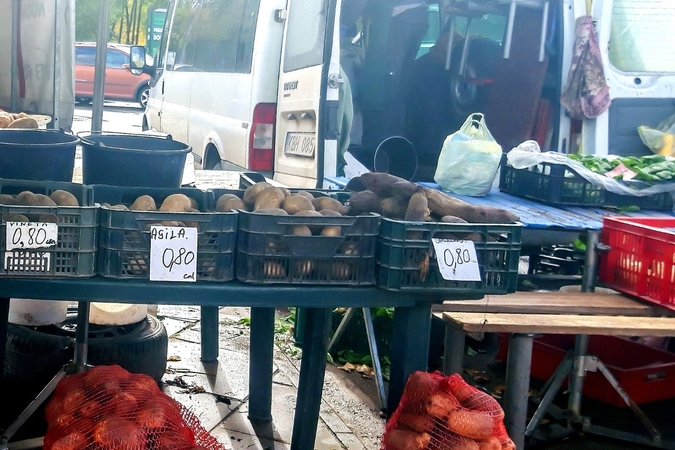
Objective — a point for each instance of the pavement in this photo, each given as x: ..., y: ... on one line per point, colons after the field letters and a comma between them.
x: 218, y: 392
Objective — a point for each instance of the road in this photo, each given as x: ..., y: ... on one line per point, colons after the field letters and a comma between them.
x: 117, y: 116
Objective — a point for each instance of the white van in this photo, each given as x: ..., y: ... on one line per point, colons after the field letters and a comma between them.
x: 215, y: 85
x: 275, y: 106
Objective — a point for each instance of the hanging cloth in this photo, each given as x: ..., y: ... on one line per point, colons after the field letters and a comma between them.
x: 586, y: 94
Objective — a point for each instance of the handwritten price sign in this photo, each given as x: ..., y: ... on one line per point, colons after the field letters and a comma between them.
x: 456, y: 260
x: 25, y: 235
x: 173, y: 253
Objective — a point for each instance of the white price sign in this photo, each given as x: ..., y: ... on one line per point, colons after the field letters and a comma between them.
x: 25, y: 235
x: 173, y: 253
x: 457, y: 260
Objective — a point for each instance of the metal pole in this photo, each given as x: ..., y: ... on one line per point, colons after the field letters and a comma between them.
x: 81, y: 336
x: 99, y: 66
x: 577, y: 377
x: 517, y: 386
x: 13, y: 87
x: 453, y: 354
x: 374, y: 355
x: 590, y: 261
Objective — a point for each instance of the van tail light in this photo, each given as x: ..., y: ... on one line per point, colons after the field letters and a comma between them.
x: 261, y: 137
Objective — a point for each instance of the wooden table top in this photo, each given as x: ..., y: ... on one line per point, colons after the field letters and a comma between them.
x: 586, y: 303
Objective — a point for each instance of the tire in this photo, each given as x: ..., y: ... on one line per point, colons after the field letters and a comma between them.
x: 38, y: 353
x: 82, y: 101
x: 143, y: 96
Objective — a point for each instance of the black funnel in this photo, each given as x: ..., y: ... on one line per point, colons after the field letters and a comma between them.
x: 396, y: 156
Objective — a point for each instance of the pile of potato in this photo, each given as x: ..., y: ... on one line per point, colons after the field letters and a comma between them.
x: 396, y: 198
x: 263, y: 198
x: 16, y: 120
x: 28, y: 198
x: 178, y: 203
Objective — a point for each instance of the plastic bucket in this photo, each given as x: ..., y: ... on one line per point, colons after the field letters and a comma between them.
x: 37, y: 312
x: 40, y: 155
x: 396, y: 156
x: 139, y: 160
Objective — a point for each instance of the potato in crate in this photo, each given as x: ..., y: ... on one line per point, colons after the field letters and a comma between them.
x: 48, y: 229
x: 127, y: 215
x: 407, y: 259
x: 303, y: 238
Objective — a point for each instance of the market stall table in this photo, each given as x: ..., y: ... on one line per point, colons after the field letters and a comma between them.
x: 410, y: 340
x: 524, y: 314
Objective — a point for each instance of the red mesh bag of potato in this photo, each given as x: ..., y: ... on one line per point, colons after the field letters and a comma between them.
x: 444, y: 413
x: 108, y: 408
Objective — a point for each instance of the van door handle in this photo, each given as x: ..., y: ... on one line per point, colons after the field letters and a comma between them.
x: 162, y: 87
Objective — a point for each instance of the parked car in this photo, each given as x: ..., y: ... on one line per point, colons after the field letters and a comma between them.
x: 120, y: 83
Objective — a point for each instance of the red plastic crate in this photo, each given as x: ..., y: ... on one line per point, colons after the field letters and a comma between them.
x: 645, y: 373
x: 641, y: 259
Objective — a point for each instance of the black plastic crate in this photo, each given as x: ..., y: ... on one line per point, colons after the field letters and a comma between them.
x: 404, y: 249
x: 124, y: 236
x: 268, y: 253
x: 75, y: 252
x: 558, y: 185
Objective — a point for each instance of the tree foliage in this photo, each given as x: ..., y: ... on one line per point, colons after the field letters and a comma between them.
x: 127, y: 19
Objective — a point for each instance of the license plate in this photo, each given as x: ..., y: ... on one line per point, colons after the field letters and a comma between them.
x: 300, y: 144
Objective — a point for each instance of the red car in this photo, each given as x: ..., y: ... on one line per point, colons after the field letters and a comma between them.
x: 120, y: 83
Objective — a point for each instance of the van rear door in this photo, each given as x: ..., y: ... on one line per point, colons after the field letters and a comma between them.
x: 306, y: 125
x: 635, y: 39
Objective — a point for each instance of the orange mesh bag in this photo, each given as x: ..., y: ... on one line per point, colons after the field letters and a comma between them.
x: 445, y: 413
x: 108, y: 408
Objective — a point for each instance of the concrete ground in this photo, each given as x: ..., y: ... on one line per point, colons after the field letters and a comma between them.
x: 218, y: 392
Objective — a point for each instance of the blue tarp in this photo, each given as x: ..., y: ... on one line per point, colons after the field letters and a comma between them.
x: 536, y: 215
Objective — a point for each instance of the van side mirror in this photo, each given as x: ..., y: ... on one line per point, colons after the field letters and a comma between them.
x: 137, y: 59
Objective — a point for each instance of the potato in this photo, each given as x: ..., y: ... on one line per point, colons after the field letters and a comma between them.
x: 172, y: 223
x: 330, y: 213
x: 311, y: 213
x: 295, y: 203
x: 473, y: 424
x: 41, y: 200
x: 392, y: 208
x: 329, y: 203
x: 286, y: 192
x: 143, y: 203
x: 64, y: 198
x: 273, y: 269
x: 229, y: 202
x: 441, y: 405
x: 331, y: 230
x: 176, y: 203
x: 418, y: 208
x: 305, y: 194
x: 272, y: 212
x: 252, y: 192
x: 452, y: 219
x: 6, y: 199
x: 379, y: 182
x: 48, y: 218
x: 298, y: 230
x: 5, y: 120
x: 442, y: 204
x: 23, y: 122
x: 119, y: 207
x: 403, y: 190
x: 269, y: 198
x: 340, y: 271
x: 22, y: 197
x: 420, y: 422
x: 15, y: 218
x: 304, y: 267
x: 364, y: 202
x: 492, y: 443
x: 406, y: 440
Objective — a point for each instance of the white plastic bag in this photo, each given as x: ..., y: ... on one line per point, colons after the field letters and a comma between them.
x: 469, y: 159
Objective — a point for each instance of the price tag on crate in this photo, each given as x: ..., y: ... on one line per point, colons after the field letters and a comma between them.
x: 457, y: 260
x: 23, y: 240
x: 25, y: 235
x: 173, y: 253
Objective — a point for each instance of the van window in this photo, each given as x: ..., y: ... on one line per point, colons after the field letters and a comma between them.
x: 115, y: 60
x: 85, y: 56
x: 213, y: 36
x: 642, y: 36
x: 305, y: 34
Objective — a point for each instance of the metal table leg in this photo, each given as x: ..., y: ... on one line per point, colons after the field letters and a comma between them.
x: 261, y: 364
x: 517, y: 386
x: 409, y: 348
x: 312, y: 372
x: 453, y: 353
x: 81, y: 337
x: 375, y: 356
x: 209, y: 324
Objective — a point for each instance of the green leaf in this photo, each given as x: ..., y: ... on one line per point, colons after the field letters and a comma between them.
x: 245, y: 321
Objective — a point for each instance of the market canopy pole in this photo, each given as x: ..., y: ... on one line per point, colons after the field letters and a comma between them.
x: 99, y: 67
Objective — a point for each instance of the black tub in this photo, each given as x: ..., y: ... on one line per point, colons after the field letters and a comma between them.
x: 140, y: 160
x: 39, y: 155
